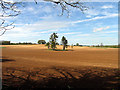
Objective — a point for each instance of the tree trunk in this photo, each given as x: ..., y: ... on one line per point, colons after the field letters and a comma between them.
x: 64, y: 47
x: 54, y: 46
x: 48, y: 46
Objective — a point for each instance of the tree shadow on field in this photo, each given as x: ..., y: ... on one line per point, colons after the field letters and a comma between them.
x: 6, y: 60
x: 61, y: 78
x: 61, y: 50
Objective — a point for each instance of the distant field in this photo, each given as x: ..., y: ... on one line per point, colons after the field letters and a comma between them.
x: 75, y: 62
x: 78, y: 56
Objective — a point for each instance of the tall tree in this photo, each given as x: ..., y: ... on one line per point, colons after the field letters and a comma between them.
x: 64, y: 42
x: 53, y: 39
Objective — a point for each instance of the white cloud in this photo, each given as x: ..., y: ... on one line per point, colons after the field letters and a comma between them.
x: 44, y: 25
x: 100, y: 29
x: 38, y: 9
x: 34, y: 30
x: 92, y: 12
x: 47, y: 25
x: 69, y: 33
x: 49, y: 31
x: 47, y: 9
x: 30, y: 9
x: 84, y: 35
x: 107, y: 6
x: 96, y: 18
x: 88, y: 16
x: 110, y: 32
x: 47, y: 17
x: 9, y: 1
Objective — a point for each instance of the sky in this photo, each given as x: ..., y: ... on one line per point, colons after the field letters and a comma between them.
x: 98, y: 24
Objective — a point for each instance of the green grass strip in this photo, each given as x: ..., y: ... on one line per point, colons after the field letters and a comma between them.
x: 2, y: 47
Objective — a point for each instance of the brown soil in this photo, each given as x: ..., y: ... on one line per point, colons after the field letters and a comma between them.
x: 32, y: 56
x: 74, y: 63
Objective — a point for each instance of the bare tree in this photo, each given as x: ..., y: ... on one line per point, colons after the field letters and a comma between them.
x: 7, y: 9
x: 65, y: 4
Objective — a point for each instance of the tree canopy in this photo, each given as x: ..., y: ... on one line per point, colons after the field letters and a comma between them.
x: 53, y: 39
x: 41, y: 42
x: 64, y: 42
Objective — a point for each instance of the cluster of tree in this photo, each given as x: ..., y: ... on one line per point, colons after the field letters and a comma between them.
x: 107, y: 46
x: 53, y: 41
x: 24, y: 43
x: 4, y: 42
x: 77, y: 44
x: 9, y: 43
x: 101, y: 45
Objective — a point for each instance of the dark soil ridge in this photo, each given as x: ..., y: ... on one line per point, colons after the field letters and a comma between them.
x: 61, y: 77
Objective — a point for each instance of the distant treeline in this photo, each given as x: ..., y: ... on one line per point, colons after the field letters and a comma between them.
x: 77, y: 44
x: 20, y: 43
x: 107, y: 46
x: 24, y: 43
x: 4, y: 42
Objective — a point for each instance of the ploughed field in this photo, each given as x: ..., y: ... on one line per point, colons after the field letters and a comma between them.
x: 31, y: 56
x: 82, y: 67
